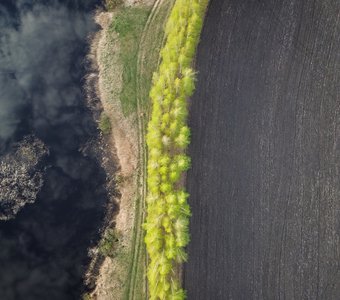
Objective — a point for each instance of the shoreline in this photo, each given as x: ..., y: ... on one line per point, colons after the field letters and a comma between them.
x: 118, y: 154
x: 123, y: 275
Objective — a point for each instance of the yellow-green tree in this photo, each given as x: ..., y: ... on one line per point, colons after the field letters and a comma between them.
x: 168, y: 136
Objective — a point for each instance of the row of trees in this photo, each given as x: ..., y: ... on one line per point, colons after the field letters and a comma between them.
x: 166, y: 226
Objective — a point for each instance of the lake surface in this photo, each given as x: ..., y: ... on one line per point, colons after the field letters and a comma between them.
x: 43, y: 251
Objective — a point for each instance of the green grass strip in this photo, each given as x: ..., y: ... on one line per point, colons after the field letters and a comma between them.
x: 129, y: 24
x: 168, y: 136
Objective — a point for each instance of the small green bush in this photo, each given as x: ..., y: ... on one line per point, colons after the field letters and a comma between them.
x: 109, y: 243
x: 86, y: 296
x: 112, y: 4
x: 105, y: 124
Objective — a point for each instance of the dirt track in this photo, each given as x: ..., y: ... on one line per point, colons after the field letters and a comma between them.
x: 265, y: 181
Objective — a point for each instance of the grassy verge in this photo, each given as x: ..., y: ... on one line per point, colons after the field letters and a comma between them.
x: 129, y: 24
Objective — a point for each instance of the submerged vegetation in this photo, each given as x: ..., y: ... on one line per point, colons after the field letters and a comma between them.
x: 168, y: 136
x: 21, y: 176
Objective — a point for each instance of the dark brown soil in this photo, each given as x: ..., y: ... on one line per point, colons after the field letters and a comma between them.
x: 265, y: 182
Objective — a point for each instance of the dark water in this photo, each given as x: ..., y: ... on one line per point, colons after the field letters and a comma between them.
x: 43, y: 252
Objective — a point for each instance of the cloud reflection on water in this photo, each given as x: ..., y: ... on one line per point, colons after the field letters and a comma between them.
x: 42, y: 48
